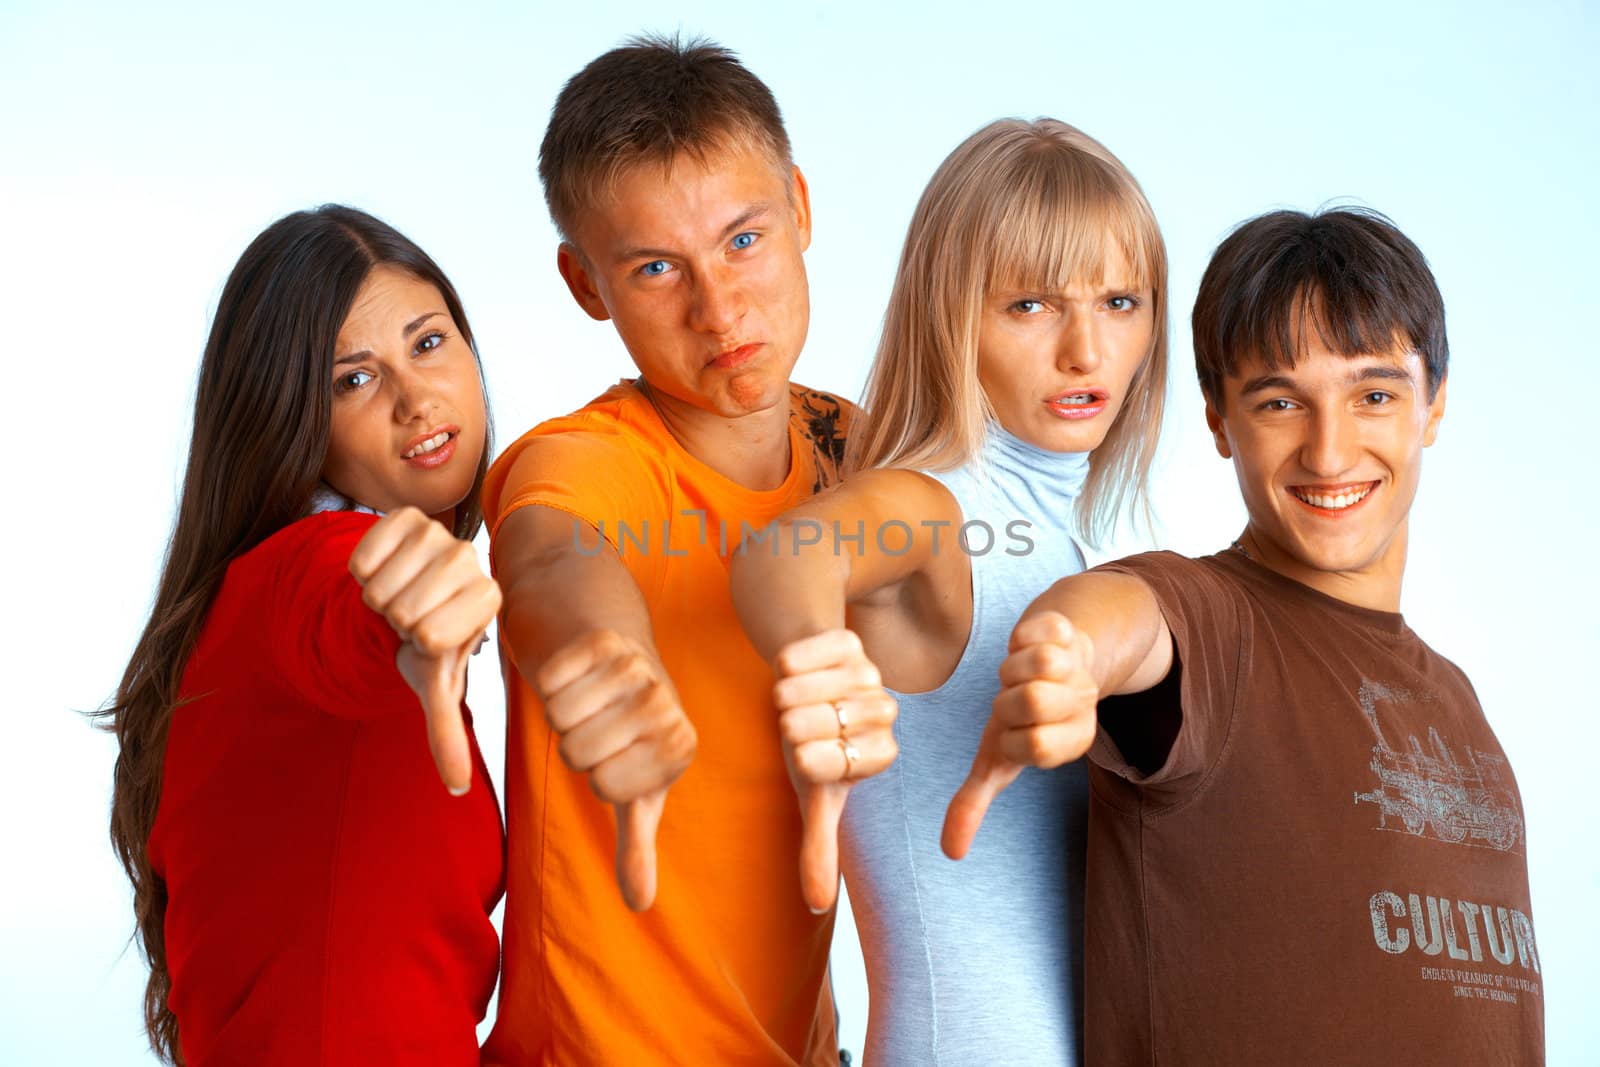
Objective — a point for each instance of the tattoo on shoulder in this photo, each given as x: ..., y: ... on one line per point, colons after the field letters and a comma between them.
x: 822, y: 420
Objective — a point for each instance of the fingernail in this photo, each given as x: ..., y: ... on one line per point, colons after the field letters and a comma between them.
x: 818, y: 911
x: 459, y: 792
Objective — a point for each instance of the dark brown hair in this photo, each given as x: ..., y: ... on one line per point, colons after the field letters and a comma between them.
x: 262, y: 415
x: 1347, y: 273
x: 652, y: 100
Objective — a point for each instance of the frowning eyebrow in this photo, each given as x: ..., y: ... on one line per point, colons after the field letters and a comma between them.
x: 749, y: 215
x: 1371, y: 372
x: 410, y: 328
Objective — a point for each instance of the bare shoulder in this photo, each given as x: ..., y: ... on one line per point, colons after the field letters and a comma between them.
x: 885, y: 495
x: 824, y: 420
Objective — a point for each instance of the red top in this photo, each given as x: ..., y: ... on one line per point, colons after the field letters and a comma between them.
x: 328, y: 900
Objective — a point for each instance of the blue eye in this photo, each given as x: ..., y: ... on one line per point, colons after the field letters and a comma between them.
x: 744, y: 240
x: 655, y: 268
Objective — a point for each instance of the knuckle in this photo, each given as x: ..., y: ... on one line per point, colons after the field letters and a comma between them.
x: 655, y: 703
x: 636, y: 672
x: 1049, y: 660
x: 784, y: 693
x: 1084, y: 737
x: 792, y: 728
x: 1038, y: 747
x: 432, y: 537
x: 686, y: 742
x: 806, y: 763
x: 607, y: 784
x: 557, y: 715
x: 428, y: 638
x: 570, y: 756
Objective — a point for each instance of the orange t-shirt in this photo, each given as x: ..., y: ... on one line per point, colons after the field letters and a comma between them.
x: 728, y: 966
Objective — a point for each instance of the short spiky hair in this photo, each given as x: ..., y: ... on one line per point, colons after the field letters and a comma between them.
x: 1346, y: 273
x: 650, y: 101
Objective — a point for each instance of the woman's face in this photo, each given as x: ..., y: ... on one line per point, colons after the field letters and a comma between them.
x: 1056, y: 365
x: 408, y: 410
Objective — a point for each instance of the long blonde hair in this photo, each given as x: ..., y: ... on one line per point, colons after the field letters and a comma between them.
x: 1027, y: 205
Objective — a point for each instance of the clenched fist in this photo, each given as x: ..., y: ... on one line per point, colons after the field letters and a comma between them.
x: 1044, y: 717
x: 837, y: 723
x: 432, y: 590
x: 617, y: 714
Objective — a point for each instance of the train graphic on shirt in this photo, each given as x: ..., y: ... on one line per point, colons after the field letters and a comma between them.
x: 1424, y: 790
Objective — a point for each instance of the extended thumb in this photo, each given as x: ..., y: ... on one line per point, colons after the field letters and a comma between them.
x: 971, y: 803
x: 819, y: 846
x: 637, y: 822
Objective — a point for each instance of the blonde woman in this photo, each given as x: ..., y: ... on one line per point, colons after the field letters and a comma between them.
x: 1015, y: 404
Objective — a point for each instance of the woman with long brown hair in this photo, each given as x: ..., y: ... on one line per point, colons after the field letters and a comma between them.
x: 306, y: 889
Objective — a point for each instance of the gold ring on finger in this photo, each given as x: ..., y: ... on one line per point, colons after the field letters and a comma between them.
x: 852, y: 756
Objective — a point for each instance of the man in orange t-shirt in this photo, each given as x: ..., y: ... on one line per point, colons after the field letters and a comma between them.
x: 668, y: 172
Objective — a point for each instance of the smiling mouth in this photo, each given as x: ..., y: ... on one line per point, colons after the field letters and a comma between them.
x: 433, y: 443
x: 1332, y: 497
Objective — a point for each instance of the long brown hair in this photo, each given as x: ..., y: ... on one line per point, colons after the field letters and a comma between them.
x: 1025, y: 204
x: 262, y: 415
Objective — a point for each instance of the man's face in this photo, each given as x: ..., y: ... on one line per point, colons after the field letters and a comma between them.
x: 1328, y: 454
x: 700, y: 268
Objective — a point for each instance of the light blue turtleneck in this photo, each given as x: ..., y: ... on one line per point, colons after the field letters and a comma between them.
x: 978, y: 961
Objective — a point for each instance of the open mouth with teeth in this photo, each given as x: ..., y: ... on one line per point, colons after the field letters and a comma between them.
x: 432, y: 444
x: 1332, y: 498
x: 1086, y: 404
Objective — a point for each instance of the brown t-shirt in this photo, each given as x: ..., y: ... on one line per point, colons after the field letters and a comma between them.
x: 1329, y: 865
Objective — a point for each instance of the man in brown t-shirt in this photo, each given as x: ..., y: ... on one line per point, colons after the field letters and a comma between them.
x: 1306, y: 845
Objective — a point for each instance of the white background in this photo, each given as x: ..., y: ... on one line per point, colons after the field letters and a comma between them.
x: 143, y: 145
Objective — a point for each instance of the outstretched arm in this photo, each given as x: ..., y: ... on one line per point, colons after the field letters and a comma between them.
x: 835, y: 717
x: 579, y: 631
x: 1087, y: 636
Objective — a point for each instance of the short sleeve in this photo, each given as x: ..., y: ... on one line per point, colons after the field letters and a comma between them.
x: 327, y: 644
x: 1208, y: 617
x: 601, y: 477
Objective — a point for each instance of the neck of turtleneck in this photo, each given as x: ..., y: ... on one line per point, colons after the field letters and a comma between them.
x: 1044, y: 485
